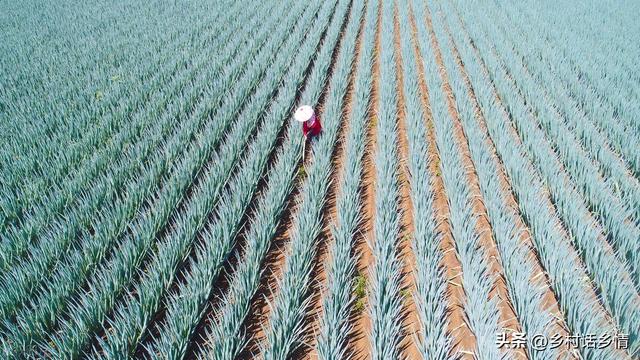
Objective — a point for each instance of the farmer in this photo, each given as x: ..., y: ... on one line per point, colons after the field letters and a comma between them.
x: 311, y: 126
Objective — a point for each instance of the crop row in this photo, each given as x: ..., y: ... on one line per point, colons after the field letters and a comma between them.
x: 184, y: 312
x: 338, y: 300
x: 385, y: 299
x: 499, y: 103
x: 107, y: 227
x: 62, y: 200
x: 619, y: 295
x: 430, y: 280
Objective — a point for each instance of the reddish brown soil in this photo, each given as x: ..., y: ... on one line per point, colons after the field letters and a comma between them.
x: 464, y: 340
x: 411, y: 318
x: 359, y: 343
x: 273, y: 267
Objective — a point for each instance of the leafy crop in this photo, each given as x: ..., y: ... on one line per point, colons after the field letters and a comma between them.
x: 155, y: 200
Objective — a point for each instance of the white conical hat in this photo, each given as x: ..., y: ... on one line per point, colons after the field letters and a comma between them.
x: 304, y: 113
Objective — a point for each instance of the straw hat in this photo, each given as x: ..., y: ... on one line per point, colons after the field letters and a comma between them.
x: 304, y: 113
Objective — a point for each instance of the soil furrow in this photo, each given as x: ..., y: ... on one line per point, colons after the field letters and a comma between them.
x: 411, y: 320
x: 273, y: 265
x: 464, y: 341
x: 360, y: 348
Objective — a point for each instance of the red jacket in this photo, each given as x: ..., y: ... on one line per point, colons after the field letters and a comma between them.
x: 312, y: 129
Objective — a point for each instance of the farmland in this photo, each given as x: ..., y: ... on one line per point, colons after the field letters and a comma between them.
x: 474, y: 192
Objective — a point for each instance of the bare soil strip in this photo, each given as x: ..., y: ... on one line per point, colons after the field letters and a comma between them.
x: 464, y: 341
x: 508, y: 318
x: 259, y: 311
x: 359, y: 343
x: 546, y: 198
x: 540, y: 277
x: 411, y: 320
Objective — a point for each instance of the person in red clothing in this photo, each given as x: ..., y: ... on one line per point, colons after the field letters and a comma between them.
x: 311, y: 126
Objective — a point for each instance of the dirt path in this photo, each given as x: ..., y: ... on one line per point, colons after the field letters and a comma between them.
x: 359, y: 342
x: 411, y: 320
x: 258, y: 314
x: 464, y: 341
x: 508, y: 319
x: 540, y: 278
